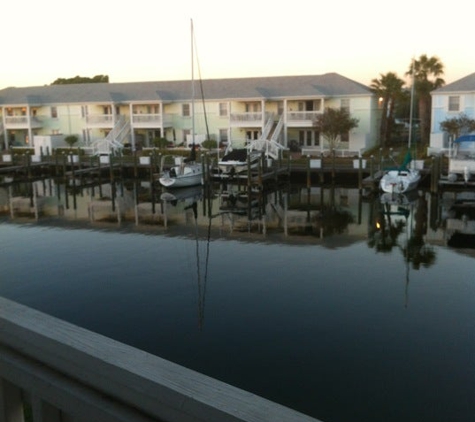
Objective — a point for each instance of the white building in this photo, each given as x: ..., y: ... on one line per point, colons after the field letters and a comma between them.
x: 450, y: 101
x: 230, y: 110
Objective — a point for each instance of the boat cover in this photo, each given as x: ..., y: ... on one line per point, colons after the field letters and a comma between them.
x: 465, y: 138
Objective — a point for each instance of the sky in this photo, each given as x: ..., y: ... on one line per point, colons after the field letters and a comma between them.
x: 149, y: 40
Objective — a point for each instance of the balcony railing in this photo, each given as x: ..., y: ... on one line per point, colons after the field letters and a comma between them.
x: 302, y: 117
x: 22, y: 122
x: 151, y: 120
x: 101, y: 120
x: 247, y: 119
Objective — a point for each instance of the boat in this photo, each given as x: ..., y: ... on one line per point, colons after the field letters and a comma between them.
x: 237, y: 161
x: 404, y: 178
x: 186, y: 172
x: 462, y: 158
x: 400, y: 180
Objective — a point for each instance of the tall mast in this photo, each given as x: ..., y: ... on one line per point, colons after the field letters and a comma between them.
x: 411, y: 106
x: 192, y: 89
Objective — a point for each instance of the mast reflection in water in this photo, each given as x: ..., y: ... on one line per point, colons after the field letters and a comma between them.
x: 344, y: 308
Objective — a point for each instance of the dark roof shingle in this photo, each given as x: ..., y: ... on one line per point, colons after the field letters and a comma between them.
x: 257, y: 88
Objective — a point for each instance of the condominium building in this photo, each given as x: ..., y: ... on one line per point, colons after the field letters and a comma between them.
x: 225, y: 110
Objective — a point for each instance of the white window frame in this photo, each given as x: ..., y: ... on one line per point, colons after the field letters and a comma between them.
x: 186, y: 110
x: 453, y: 103
x: 223, y: 110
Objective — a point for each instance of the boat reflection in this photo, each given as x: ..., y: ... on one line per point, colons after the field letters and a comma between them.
x: 460, y: 221
x: 329, y: 215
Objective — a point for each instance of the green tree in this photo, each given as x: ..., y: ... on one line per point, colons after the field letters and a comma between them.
x: 389, y: 88
x: 458, y: 125
x: 426, y: 73
x: 71, y: 140
x: 333, y: 122
x: 82, y: 80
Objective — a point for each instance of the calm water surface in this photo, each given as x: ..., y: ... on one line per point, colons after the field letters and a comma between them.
x: 341, y: 327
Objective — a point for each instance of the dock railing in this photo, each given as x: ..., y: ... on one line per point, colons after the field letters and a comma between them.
x: 65, y: 373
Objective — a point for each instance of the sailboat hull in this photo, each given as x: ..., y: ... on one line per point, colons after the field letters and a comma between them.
x: 182, y: 176
x: 400, y: 181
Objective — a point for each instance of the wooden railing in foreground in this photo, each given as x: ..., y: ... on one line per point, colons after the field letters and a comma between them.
x: 66, y: 373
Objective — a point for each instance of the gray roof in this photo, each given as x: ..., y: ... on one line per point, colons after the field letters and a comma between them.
x: 261, y: 88
x: 466, y: 84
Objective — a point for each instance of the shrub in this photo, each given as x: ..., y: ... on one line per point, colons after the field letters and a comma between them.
x: 160, y: 143
x: 71, y: 140
x: 209, y: 144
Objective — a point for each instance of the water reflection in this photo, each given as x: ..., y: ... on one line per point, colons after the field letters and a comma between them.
x: 282, y: 307
x: 280, y: 213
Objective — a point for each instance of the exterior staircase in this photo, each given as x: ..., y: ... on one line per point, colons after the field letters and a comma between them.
x: 114, y: 141
x: 271, y: 147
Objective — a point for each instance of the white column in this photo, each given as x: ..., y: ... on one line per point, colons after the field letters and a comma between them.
x: 132, y: 132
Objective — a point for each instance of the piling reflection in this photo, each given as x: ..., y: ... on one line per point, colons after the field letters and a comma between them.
x: 277, y: 213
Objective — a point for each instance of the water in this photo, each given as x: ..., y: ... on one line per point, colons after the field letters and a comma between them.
x: 326, y: 319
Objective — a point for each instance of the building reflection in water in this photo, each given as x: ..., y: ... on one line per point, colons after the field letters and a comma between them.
x: 327, y: 214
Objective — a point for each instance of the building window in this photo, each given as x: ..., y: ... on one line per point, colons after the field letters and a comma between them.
x: 345, y: 105
x: 345, y: 138
x: 84, y: 111
x: 223, y: 135
x: 223, y: 109
x: 186, y: 135
x: 253, y: 107
x: 454, y: 103
x: 54, y: 112
x: 309, y: 138
x: 185, y: 110
x: 318, y: 105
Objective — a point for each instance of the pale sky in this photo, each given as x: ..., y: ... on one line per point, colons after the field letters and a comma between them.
x: 149, y: 40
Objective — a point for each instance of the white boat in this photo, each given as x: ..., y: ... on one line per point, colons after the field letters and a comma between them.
x: 400, y: 180
x: 182, y: 174
x: 238, y: 161
x: 462, y: 158
x: 186, y: 172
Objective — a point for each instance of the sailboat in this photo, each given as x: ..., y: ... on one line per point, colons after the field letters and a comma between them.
x: 404, y: 178
x: 186, y: 171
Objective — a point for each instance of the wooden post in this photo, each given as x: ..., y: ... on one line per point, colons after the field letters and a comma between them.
x: 28, y: 164
x: 111, y: 168
x: 308, y: 173
x: 135, y: 165
x: 360, y: 173
x: 321, y: 174
x: 434, y: 176
x: 333, y: 164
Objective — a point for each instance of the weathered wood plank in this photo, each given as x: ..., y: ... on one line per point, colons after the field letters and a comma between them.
x: 158, y: 387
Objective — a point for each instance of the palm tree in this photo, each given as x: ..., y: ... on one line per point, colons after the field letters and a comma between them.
x: 426, y: 72
x: 388, y: 88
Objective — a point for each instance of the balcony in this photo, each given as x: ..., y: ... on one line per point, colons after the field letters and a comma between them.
x: 22, y: 122
x: 151, y: 121
x: 301, y: 118
x: 254, y: 119
x: 101, y: 120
